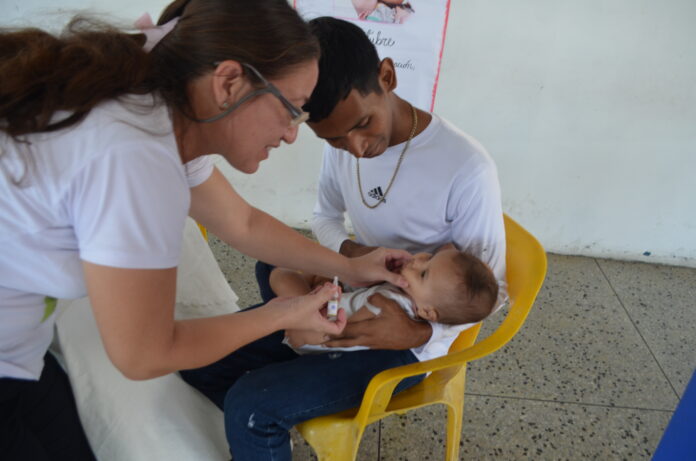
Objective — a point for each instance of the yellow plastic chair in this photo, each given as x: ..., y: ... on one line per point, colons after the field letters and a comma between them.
x: 204, y: 231
x: 337, y: 437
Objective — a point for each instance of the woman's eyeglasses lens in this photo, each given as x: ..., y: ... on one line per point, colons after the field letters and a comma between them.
x: 298, y: 116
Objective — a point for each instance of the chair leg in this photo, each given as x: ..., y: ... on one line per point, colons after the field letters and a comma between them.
x: 454, y: 431
x: 337, y: 454
x: 335, y: 445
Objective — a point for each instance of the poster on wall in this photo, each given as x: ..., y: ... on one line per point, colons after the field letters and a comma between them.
x: 411, y: 32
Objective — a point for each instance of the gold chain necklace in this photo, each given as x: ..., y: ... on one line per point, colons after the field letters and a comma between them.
x: 383, y: 198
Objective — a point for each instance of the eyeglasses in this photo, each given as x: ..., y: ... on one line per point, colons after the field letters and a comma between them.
x: 298, y: 116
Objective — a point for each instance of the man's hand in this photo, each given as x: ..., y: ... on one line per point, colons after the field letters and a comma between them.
x: 391, y: 329
x: 298, y: 338
x: 352, y: 249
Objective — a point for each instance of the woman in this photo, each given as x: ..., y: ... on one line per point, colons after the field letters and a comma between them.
x: 102, y: 155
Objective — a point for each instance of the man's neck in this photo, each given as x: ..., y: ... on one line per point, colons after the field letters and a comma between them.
x: 403, y: 121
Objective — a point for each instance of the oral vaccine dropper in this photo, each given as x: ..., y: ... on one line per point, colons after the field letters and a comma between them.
x: 332, y: 307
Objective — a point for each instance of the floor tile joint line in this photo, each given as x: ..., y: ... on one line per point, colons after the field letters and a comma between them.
x: 379, y: 440
x: 659, y: 365
x: 565, y: 402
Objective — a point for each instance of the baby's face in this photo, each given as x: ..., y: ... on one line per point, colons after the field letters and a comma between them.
x: 429, y: 278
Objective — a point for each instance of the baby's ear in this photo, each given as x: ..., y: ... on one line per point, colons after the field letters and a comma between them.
x: 431, y: 314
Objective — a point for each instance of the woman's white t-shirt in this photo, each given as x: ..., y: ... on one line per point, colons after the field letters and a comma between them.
x: 111, y: 190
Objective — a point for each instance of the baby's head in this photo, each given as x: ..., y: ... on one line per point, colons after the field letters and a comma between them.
x: 450, y: 287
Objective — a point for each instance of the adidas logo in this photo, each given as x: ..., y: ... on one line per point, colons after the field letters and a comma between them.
x: 376, y: 194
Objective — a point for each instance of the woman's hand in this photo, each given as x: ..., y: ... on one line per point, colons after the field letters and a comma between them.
x: 307, y: 312
x: 382, y: 264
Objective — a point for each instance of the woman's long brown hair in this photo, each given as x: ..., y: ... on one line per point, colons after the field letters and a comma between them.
x: 91, y: 62
x: 42, y: 74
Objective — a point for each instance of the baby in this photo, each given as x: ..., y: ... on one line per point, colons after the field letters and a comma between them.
x: 450, y: 287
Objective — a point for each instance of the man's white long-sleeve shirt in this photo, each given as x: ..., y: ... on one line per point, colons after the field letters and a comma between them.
x: 446, y: 191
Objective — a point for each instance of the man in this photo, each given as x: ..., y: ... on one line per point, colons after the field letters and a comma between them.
x: 407, y: 179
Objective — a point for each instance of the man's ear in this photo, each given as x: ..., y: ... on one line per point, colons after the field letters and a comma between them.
x: 227, y: 82
x: 387, y: 75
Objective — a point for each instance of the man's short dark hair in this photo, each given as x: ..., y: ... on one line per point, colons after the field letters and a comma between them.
x: 348, y: 61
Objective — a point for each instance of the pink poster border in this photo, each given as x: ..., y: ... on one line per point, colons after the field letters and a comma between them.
x: 442, y: 49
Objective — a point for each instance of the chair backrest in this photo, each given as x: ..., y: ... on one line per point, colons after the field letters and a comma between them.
x: 525, y: 263
x: 525, y: 272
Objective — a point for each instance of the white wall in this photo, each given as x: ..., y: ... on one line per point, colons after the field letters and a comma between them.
x: 53, y: 15
x: 588, y: 107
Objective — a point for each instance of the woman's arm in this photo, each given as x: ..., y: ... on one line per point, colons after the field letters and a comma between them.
x: 216, y: 205
x: 134, y: 310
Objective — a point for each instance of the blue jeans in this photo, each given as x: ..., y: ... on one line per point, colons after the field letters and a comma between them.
x: 265, y: 388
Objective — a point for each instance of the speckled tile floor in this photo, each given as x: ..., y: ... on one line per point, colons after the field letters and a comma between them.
x: 594, y: 374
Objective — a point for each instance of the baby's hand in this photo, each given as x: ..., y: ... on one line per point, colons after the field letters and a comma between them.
x: 319, y: 281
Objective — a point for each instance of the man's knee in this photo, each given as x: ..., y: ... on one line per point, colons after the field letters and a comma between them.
x: 245, y: 394
x: 250, y: 408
